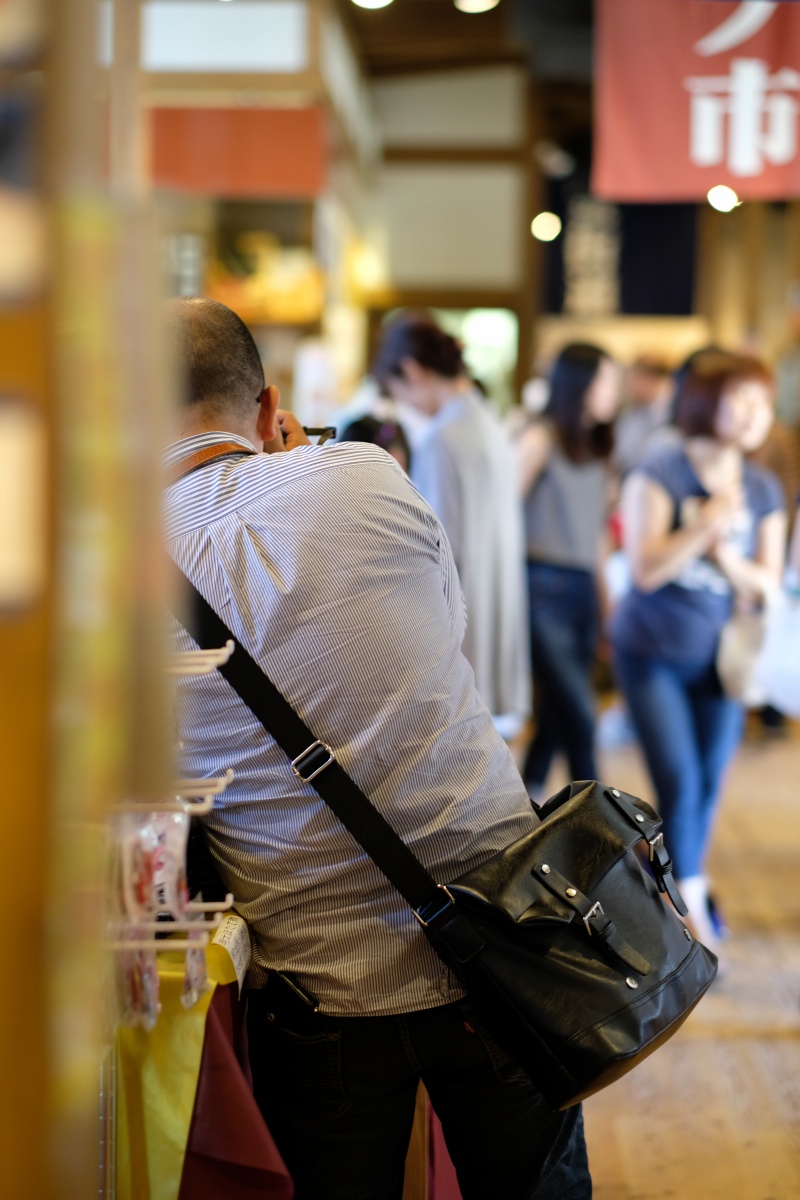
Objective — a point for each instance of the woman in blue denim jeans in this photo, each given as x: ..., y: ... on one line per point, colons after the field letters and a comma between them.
x: 564, y: 478
x: 704, y: 531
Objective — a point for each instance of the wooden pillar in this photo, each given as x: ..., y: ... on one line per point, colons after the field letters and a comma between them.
x: 26, y: 648
x: 530, y: 302
x: 108, y: 727
x: 775, y: 282
x: 128, y: 126
x: 747, y: 261
x: 27, y: 644
x: 722, y: 278
x: 750, y: 268
x: 418, y: 1157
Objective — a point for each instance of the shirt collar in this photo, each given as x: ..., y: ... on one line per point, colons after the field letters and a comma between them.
x: 199, y: 441
x: 451, y: 410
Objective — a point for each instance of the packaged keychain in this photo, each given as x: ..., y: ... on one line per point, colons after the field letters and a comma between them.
x: 170, y: 871
x: 195, y: 979
x: 137, y: 987
x: 140, y: 852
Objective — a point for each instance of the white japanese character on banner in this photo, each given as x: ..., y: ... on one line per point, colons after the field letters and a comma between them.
x: 758, y: 111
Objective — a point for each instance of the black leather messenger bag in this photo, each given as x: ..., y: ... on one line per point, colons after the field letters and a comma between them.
x: 570, y: 955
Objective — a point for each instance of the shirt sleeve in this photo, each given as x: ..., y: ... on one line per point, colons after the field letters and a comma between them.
x: 434, y: 533
x: 451, y: 586
x: 435, y: 477
x: 660, y: 464
x: 767, y: 493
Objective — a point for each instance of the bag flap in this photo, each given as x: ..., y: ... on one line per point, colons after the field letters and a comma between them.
x: 586, y: 828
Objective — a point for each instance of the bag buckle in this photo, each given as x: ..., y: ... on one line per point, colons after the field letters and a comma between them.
x: 595, y: 911
x: 432, y: 915
x: 313, y: 751
x: 654, y: 843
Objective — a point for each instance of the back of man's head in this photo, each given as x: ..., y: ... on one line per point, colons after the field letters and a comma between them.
x: 221, y: 367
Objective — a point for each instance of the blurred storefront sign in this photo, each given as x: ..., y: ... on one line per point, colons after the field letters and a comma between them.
x: 261, y: 152
x: 268, y: 282
x: 591, y: 258
x: 254, y: 99
x: 697, y: 94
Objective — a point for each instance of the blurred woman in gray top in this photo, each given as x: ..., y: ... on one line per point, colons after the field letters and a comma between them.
x: 564, y: 477
x: 464, y: 467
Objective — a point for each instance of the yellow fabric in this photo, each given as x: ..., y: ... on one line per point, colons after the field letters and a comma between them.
x: 157, y: 1075
x: 220, y: 964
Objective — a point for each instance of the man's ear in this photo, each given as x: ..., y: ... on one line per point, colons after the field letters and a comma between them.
x: 267, y: 423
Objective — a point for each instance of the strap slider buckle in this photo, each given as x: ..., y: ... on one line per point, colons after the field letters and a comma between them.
x: 655, y: 843
x: 309, y: 761
x: 594, y: 912
x: 431, y: 912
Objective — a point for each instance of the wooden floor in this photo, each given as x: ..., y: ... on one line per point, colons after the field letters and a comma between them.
x: 715, y: 1114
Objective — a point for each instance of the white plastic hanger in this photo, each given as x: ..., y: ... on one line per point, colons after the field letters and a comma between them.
x: 184, y: 790
x: 182, y: 945
x: 210, y: 906
x: 199, y: 662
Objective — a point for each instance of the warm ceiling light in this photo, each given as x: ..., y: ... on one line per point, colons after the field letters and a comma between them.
x: 372, y: 3
x: 473, y: 6
x: 546, y: 227
x: 723, y: 198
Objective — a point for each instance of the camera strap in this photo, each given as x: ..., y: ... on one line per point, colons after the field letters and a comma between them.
x: 200, y: 458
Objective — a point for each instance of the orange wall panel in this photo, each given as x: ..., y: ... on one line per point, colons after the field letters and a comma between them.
x: 237, y: 152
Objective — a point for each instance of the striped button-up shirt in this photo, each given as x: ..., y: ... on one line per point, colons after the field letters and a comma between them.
x: 338, y: 579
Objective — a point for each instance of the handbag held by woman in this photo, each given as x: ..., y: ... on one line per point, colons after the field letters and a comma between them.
x: 570, y: 956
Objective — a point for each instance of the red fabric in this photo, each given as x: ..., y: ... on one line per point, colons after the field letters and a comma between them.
x: 230, y: 1152
x: 443, y: 1183
x: 277, y: 153
x: 675, y: 114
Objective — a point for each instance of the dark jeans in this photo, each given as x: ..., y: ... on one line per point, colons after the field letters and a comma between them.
x: 339, y: 1102
x: 564, y: 630
x: 689, y: 731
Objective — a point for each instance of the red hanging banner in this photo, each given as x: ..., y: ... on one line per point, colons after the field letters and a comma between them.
x: 695, y: 93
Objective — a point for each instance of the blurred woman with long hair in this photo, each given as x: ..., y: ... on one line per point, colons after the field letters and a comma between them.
x: 565, y: 481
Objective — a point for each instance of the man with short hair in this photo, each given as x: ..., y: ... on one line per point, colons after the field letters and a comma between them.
x: 338, y: 579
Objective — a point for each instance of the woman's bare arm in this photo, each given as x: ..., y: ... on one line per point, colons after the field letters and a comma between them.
x: 657, y: 553
x: 794, y: 552
x: 533, y: 450
x: 757, y: 578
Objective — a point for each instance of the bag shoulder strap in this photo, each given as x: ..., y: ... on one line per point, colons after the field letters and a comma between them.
x: 312, y: 760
